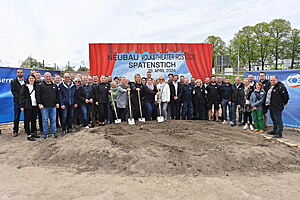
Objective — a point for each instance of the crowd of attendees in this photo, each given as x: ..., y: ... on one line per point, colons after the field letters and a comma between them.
x: 62, y: 104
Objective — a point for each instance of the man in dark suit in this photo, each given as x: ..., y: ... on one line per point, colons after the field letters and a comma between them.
x: 15, y: 90
x: 175, y: 102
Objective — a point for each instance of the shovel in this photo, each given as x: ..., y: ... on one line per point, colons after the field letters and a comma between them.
x: 160, y: 118
x: 130, y: 120
x: 117, y: 121
x: 140, y: 119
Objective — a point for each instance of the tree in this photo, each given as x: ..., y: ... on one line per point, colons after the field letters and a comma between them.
x: 244, y: 42
x: 218, y: 45
x: 263, y: 42
x: 31, y: 63
x: 279, y: 30
x: 82, y: 69
x: 293, y: 46
x: 69, y: 69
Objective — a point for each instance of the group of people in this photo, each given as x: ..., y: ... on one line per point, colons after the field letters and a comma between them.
x: 87, y: 101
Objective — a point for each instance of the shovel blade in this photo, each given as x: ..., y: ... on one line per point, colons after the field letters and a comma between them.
x: 117, y: 121
x: 131, y: 121
x: 142, y: 120
x: 160, y: 119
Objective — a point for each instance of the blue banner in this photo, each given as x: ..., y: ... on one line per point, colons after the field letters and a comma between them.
x: 291, y: 79
x: 6, y: 98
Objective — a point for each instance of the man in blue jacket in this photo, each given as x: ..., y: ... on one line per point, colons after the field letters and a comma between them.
x: 226, y: 89
x: 68, y: 101
x: 186, y: 97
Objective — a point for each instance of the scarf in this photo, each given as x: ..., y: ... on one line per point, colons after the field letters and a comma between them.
x: 150, y: 87
x: 268, y: 98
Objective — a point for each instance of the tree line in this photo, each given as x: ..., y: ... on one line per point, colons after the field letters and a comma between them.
x: 261, y: 44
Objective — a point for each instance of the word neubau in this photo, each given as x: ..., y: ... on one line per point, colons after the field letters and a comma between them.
x: 152, y: 64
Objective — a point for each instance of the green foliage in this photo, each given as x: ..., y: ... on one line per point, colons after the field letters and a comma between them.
x: 82, y: 69
x: 219, y: 46
x: 261, y: 44
x: 69, y: 69
x: 293, y: 47
x: 31, y: 63
x: 279, y: 31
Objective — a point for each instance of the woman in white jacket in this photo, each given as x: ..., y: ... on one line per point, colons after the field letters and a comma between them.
x: 163, y: 95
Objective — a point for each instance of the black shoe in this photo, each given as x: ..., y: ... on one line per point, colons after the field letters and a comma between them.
x: 35, y: 135
x: 54, y: 135
x: 241, y: 124
x: 30, y: 138
x: 277, y: 136
x: 45, y: 136
x: 271, y: 133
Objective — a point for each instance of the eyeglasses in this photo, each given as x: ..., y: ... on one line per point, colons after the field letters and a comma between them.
x: 77, y: 81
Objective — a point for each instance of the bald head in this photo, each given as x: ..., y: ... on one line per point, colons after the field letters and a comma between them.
x: 273, y: 80
x: 47, y: 77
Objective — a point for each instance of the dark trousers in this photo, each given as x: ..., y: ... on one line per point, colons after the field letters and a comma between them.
x: 149, y: 110
x: 199, y: 111
x: 247, y: 117
x: 94, y: 114
x: 233, y: 110
x: 58, y: 117
x: 175, y: 109
x: 110, y: 113
x: 77, y: 117
x: 187, y: 110
x: 122, y: 114
x: 30, y: 120
x: 67, y: 117
x: 17, y: 113
x: 276, y: 116
x: 136, y: 109
x: 102, y: 112
x: 85, y: 110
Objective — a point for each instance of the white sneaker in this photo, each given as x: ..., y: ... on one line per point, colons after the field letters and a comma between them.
x: 231, y: 123
x: 251, y: 127
x: 87, y: 127
x: 246, y: 127
x: 224, y: 122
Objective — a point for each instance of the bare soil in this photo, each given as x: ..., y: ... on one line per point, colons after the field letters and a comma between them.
x: 185, y: 157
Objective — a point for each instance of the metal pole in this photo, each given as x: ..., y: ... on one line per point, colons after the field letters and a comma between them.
x: 222, y: 65
x: 238, y: 67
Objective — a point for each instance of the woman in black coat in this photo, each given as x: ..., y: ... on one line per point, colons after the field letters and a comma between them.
x: 29, y: 105
x: 199, y: 101
x: 149, y: 91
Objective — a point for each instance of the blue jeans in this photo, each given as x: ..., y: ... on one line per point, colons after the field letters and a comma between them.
x: 225, y: 104
x: 187, y: 110
x: 276, y: 116
x: 46, y: 114
x: 67, y: 117
x: 233, y: 113
x: 85, y: 109
x: 110, y: 113
x: 149, y: 110
x: 17, y: 113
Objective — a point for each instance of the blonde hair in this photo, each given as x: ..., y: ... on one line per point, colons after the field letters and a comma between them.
x: 198, y: 81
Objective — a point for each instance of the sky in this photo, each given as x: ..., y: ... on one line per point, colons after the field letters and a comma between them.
x: 58, y: 31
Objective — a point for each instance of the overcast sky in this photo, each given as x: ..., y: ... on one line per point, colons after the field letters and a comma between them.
x: 59, y: 31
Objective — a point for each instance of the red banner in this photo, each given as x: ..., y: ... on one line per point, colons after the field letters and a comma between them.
x: 199, y: 62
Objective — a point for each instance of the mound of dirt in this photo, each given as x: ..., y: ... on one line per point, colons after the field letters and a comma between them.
x: 169, y: 148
